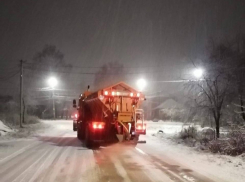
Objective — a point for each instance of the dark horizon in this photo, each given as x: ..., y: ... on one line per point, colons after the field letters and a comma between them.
x: 159, y: 37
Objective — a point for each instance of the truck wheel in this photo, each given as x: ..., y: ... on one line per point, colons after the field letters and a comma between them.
x: 82, y: 131
x: 74, y: 127
x: 79, y: 134
x: 88, y: 143
x: 136, y: 139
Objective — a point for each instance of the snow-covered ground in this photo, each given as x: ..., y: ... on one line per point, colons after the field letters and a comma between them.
x: 4, y: 129
x: 159, y: 158
x: 28, y: 131
x: 170, y: 128
x: 218, y: 167
x: 166, y: 127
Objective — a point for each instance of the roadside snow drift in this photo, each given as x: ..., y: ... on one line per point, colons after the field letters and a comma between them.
x: 170, y: 128
x: 4, y: 129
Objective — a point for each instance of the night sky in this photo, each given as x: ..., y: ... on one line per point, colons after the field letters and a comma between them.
x: 159, y: 36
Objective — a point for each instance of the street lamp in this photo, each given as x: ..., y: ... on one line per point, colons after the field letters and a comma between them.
x: 141, y: 83
x: 198, y: 73
x: 53, y: 83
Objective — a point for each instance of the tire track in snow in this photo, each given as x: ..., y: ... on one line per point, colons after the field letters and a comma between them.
x: 53, y: 169
x: 18, y: 162
x: 66, y: 166
x: 178, y: 172
x: 72, y: 161
x: 44, y: 165
x: 108, y: 171
x: 21, y: 177
x: 120, y: 169
x: 71, y: 165
x: 139, y: 168
x: 93, y: 170
x: 80, y: 164
x: 59, y: 172
x: 45, y: 174
x: 171, y: 176
x: 15, y: 167
x: 22, y: 150
x: 86, y: 170
x: 18, y: 152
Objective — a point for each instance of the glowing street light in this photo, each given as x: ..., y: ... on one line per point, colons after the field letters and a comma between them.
x: 198, y: 73
x: 52, y: 82
x: 141, y: 83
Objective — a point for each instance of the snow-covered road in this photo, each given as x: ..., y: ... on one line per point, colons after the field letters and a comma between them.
x: 57, y: 155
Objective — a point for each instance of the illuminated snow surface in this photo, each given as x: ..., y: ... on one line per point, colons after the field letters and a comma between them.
x: 217, y: 167
x: 56, y: 154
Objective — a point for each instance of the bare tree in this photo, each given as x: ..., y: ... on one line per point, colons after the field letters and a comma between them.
x: 47, y: 62
x: 239, y: 74
x: 213, y: 90
x: 108, y: 74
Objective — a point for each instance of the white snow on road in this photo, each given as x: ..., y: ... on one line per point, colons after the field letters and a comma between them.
x: 67, y: 159
x: 216, y: 166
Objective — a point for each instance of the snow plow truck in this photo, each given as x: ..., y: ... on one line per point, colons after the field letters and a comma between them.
x: 110, y: 115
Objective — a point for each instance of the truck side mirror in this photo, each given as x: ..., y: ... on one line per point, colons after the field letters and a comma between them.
x: 74, y: 103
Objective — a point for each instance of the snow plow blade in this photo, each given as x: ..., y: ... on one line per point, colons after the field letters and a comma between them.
x: 141, y: 141
x: 120, y: 137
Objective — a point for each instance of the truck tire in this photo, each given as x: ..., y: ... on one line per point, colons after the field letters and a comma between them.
x: 74, y: 127
x: 79, y: 133
x: 87, y: 141
x: 82, y: 131
x: 136, y: 138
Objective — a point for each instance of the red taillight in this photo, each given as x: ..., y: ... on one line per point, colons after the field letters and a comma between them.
x: 76, y: 116
x: 106, y: 93
x: 98, y: 125
x: 131, y: 94
x: 138, y: 94
x: 140, y: 126
x: 112, y: 93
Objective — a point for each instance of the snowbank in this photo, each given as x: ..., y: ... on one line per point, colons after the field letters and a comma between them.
x: 216, y: 166
x: 167, y: 127
x: 4, y: 129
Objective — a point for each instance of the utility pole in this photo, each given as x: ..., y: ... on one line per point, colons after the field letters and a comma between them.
x: 21, y: 91
x: 52, y: 83
x: 53, y: 104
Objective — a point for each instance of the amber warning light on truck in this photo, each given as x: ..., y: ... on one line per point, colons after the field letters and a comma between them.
x: 114, y: 93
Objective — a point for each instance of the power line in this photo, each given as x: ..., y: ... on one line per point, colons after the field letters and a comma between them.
x: 11, y: 68
x: 95, y: 67
x: 8, y: 88
x: 5, y: 78
x: 91, y: 73
x: 172, y: 81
